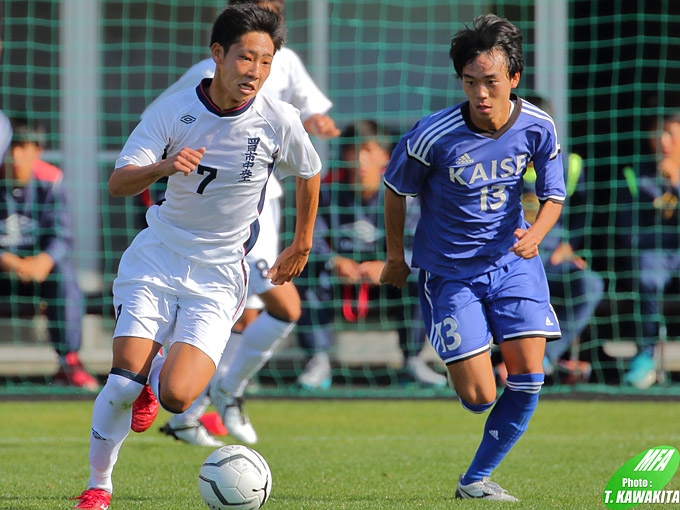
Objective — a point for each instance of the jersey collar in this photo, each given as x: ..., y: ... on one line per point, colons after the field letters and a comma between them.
x: 465, y: 111
x: 202, y: 93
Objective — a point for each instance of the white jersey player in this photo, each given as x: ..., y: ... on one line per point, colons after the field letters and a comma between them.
x: 256, y: 334
x: 183, y: 279
x: 5, y: 135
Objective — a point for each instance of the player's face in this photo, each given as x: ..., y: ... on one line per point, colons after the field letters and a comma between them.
x: 487, y: 85
x: 670, y: 141
x: 372, y: 160
x: 23, y: 155
x: 242, y: 70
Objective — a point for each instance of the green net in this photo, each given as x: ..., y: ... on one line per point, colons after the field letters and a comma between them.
x: 86, y: 70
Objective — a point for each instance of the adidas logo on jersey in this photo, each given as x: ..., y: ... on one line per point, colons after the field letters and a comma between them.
x: 494, y: 434
x: 548, y: 322
x: 465, y: 159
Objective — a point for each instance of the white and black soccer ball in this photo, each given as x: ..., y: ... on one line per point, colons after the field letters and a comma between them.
x: 235, y: 476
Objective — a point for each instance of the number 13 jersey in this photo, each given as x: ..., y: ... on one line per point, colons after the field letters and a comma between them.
x: 470, y: 184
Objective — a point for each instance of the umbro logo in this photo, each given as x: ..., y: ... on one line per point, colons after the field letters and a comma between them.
x: 187, y: 119
x: 465, y: 159
x: 494, y: 434
x: 548, y: 322
x: 97, y: 435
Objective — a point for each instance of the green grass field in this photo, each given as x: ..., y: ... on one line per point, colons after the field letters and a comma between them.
x: 360, y: 454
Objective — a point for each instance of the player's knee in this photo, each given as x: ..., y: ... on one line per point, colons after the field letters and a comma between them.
x: 286, y: 312
x: 477, y: 399
x: 474, y: 407
x: 122, y: 390
x: 174, y: 406
x: 172, y: 401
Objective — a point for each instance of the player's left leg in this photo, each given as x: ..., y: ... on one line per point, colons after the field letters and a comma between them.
x: 521, y: 318
x: 510, y: 415
x: 186, y: 372
x: 258, y: 342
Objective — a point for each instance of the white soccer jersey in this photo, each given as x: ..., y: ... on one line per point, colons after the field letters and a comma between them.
x: 288, y: 81
x: 5, y: 135
x: 210, y: 216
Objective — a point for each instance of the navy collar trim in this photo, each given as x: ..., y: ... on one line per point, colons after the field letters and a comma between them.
x: 465, y: 111
x: 202, y: 93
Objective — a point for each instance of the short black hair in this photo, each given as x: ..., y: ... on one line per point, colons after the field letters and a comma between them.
x: 362, y: 131
x: 672, y: 117
x: 237, y: 20
x: 489, y: 32
x: 25, y: 130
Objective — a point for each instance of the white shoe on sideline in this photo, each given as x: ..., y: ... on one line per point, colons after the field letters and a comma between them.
x: 423, y: 374
x: 317, y: 373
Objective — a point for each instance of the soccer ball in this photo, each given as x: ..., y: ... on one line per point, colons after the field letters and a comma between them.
x: 235, y: 476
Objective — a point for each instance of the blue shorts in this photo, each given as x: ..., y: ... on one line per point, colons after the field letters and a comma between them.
x: 463, y: 315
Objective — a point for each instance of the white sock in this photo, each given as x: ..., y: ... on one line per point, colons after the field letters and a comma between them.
x: 190, y: 417
x: 154, y: 374
x: 256, y: 347
x: 111, y: 418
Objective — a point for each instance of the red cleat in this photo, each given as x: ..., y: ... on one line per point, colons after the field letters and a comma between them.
x: 213, y: 424
x: 94, y: 499
x: 144, y: 410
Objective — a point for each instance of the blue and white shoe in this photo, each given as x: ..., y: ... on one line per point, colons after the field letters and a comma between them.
x: 484, y: 489
x: 642, y: 371
x: 317, y: 374
x: 421, y: 373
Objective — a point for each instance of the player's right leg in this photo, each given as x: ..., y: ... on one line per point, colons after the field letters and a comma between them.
x: 112, y: 414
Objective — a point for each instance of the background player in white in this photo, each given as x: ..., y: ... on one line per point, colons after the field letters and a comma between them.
x: 5, y: 133
x: 256, y: 334
x: 480, y: 277
x: 183, y: 280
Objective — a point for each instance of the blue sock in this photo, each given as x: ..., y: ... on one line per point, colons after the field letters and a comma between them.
x: 506, y: 423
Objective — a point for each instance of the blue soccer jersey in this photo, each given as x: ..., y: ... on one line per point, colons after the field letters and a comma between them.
x: 470, y: 184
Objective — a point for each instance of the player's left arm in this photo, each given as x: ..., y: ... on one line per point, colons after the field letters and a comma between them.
x: 528, y: 240
x: 292, y: 260
x: 551, y: 191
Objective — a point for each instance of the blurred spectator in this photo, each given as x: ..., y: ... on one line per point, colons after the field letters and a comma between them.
x: 348, y: 257
x: 35, y: 240
x: 648, y: 226
x: 5, y: 132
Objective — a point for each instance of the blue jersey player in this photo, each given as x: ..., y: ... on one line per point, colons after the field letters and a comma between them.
x: 480, y: 277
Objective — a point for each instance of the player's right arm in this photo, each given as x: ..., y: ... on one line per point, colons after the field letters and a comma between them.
x: 396, y: 270
x: 131, y: 180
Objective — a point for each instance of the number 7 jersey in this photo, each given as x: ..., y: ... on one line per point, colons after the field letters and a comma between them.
x: 470, y: 184
x: 211, y: 214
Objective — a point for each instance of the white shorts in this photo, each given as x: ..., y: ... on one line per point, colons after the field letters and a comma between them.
x: 264, y: 253
x: 161, y: 295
